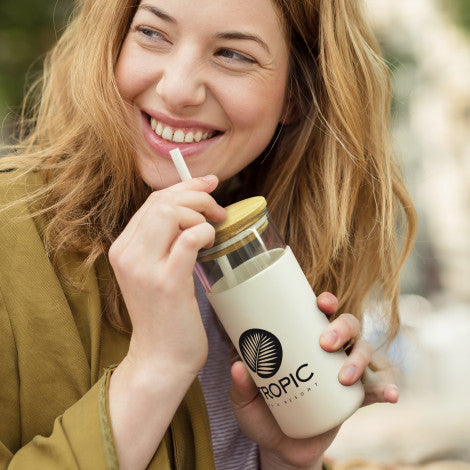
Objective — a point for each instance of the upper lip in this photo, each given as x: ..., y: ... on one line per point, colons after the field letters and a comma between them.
x: 179, y: 123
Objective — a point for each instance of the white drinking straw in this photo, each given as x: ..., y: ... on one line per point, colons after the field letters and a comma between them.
x: 180, y: 164
x: 185, y: 175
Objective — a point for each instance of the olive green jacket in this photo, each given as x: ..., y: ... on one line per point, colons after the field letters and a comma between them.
x: 56, y: 356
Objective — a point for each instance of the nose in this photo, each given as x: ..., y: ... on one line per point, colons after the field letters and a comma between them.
x: 182, y: 82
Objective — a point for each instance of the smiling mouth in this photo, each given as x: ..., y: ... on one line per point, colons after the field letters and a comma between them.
x: 180, y: 135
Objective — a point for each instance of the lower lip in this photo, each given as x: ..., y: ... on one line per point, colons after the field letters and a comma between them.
x: 163, y: 147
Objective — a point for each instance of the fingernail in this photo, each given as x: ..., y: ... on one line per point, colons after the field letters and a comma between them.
x: 347, y: 374
x: 328, y: 298
x: 208, y: 178
x: 394, y: 393
x: 330, y: 338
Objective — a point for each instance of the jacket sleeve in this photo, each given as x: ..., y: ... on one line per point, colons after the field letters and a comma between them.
x: 81, y: 436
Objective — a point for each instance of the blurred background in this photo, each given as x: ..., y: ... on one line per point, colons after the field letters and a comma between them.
x: 427, y: 46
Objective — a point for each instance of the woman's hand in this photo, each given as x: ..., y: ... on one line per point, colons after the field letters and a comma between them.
x: 345, y: 329
x: 277, y: 451
x: 153, y: 260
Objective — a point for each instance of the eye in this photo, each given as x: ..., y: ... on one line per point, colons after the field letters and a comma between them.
x: 150, y: 33
x: 235, y: 56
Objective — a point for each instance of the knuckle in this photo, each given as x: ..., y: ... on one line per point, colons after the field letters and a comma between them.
x: 196, y: 237
x: 361, y: 356
x: 160, y: 198
x: 189, y: 239
x: 113, y: 253
x: 366, y: 347
x: 199, y: 219
x: 210, y: 230
x: 361, y: 362
x: 352, y: 323
x: 207, y: 200
x: 157, y: 195
x: 122, y: 265
x: 117, y: 257
x: 209, y: 234
x: 364, y: 344
x: 154, y: 197
x: 165, y: 210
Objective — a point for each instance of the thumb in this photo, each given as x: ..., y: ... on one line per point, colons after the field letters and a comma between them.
x: 243, y: 390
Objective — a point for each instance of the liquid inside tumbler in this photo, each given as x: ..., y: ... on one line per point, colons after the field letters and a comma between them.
x: 266, y: 305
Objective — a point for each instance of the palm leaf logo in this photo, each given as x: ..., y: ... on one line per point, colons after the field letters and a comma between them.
x: 262, y: 352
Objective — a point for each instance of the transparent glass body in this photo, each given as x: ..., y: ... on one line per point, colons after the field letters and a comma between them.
x: 241, y: 257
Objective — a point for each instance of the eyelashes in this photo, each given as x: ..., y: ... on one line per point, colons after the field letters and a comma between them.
x: 150, y: 33
x: 156, y: 38
x: 234, y: 55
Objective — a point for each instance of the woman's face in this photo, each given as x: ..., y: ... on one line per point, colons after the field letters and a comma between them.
x: 208, y: 77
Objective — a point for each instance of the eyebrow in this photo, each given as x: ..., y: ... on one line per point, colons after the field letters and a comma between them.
x: 246, y: 36
x: 158, y: 13
x: 231, y: 35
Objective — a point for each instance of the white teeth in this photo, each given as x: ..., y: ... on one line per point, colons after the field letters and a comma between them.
x: 167, y: 133
x: 178, y: 136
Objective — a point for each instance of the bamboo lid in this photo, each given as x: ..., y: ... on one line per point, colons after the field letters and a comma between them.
x: 240, y: 216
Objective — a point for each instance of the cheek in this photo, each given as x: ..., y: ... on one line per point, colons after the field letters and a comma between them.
x: 123, y: 76
x: 258, y: 104
x: 258, y: 115
x: 131, y: 75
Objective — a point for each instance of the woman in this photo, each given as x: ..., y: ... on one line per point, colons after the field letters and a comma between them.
x: 285, y: 99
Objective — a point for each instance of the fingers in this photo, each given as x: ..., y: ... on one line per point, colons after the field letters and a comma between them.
x: 199, y: 201
x: 343, y: 331
x: 168, y: 215
x: 390, y: 393
x: 356, y: 363
x: 193, y: 194
x: 378, y: 392
x: 204, y: 183
x: 339, y: 332
x: 327, y: 303
x: 243, y: 390
x: 165, y: 214
x: 184, y: 252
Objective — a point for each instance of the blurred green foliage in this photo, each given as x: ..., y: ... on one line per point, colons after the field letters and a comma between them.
x: 459, y: 11
x: 28, y: 28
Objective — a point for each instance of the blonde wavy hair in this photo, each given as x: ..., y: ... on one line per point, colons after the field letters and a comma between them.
x: 331, y: 184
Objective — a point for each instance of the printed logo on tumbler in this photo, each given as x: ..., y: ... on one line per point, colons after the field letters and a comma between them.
x: 262, y: 352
